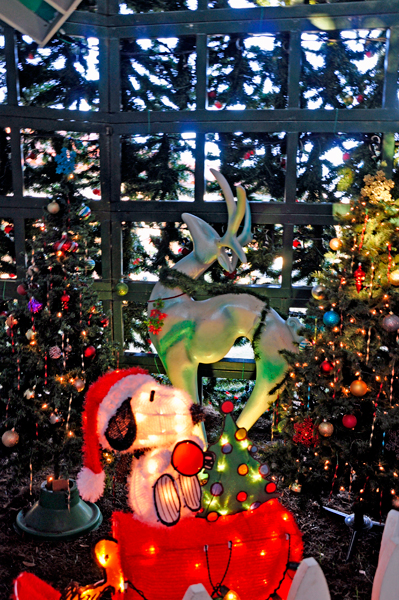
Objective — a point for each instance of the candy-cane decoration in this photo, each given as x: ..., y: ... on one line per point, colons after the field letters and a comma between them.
x: 45, y: 368
x: 19, y: 374
x: 31, y: 474
x: 371, y: 279
x: 389, y: 259
x: 374, y: 416
x: 391, y: 386
x: 363, y: 230
x: 69, y: 414
x: 368, y: 345
x: 63, y: 350
x: 334, y: 478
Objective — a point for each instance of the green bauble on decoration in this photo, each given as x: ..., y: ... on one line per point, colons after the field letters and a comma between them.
x: 121, y: 288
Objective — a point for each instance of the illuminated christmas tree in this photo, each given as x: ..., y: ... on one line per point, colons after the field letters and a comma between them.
x: 237, y: 481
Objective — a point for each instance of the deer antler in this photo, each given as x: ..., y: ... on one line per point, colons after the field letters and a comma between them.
x: 236, y: 213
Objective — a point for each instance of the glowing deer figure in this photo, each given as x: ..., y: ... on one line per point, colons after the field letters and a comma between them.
x: 197, y: 332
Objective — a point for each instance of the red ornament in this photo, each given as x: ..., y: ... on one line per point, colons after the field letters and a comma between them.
x: 360, y: 98
x: 184, y: 251
x: 227, y: 407
x: 65, y: 245
x: 369, y: 54
x: 97, y: 192
x: 218, y: 104
x: 231, y: 275
x: 305, y: 433
x: 296, y: 244
x: 21, y: 290
x: 326, y: 367
x: 359, y: 276
x: 270, y: 487
x: 346, y: 156
x: 89, y: 352
x: 31, y: 56
x: 104, y: 321
x: 65, y: 298
x: 211, y: 94
x: 9, y: 229
x: 349, y: 421
x: 242, y: 496
x: 32, y: 155
x: 187, y: 458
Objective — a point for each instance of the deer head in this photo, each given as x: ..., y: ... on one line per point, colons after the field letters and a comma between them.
x: 208, y: 245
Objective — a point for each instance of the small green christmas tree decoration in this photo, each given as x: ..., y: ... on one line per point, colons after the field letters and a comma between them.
x: 237, y: 481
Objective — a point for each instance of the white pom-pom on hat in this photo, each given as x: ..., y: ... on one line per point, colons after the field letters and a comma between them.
x: 90, y: 485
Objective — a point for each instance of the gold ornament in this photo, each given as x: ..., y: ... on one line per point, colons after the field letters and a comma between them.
x: 326, y: 429
x: 30, y: 334
x: 10, y: 438
x: 358, y: 388
x: 394, y: 277
x: 79, y: 384
x: 335, y: 244
x: 53, y: 207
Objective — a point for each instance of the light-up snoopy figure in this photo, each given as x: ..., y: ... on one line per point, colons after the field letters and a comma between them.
x: 128, y: 411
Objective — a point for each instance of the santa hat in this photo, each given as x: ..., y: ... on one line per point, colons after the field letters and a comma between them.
x: 91, y: 479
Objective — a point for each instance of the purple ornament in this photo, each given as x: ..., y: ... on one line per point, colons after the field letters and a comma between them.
x: 34, y: 306
x: 216, y: 489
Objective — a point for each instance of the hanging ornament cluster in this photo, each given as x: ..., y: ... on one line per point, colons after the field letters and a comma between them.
x: 359, y: 276
x: 305, y: 433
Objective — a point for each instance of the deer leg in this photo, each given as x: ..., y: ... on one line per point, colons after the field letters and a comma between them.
x: 270, y: 368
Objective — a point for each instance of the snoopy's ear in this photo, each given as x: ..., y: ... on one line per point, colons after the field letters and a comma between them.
x: 122, y: 429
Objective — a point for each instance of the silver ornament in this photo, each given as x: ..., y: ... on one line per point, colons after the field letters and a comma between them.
x: 319, y: 292
x: 390, y: 323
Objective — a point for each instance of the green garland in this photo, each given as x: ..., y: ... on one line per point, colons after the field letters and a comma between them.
x: 172, y: 279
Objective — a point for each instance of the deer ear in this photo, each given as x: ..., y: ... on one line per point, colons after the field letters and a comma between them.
x: 204, y: 238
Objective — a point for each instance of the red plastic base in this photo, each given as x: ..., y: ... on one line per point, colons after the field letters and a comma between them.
x: 29, y: 587
x: 163, y: 562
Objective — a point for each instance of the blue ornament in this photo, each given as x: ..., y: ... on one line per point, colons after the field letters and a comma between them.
x: 331, y: 318
x: 84, y: 212
x: 65, y: 161
x: 90, y: 263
